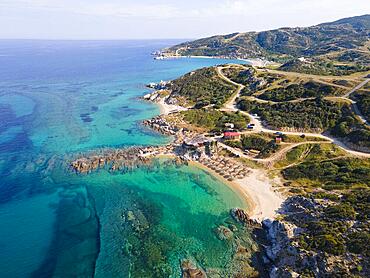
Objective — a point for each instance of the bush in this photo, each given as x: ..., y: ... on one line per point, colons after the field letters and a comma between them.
x: 359, y: 243
x: 254, y: 142
x: 202, y: 87
x: 335, y: 174
x: 295, y: 91
x: 341, y: 212
x: 330, y: 243
x: 214, y: 119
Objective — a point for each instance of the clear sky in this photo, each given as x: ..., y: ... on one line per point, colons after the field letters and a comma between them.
x: 131, y: 19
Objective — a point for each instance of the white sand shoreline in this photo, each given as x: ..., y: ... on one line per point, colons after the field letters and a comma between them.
x: 166, y: 109
x: 260, y: 188
x: 257, y: 188
x: 258, y: 191
x: 257, y: 62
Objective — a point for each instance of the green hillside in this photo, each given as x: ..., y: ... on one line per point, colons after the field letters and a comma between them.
x: 344, y: 34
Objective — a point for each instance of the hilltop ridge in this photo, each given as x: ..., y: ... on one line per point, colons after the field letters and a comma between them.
x: 344, y: 34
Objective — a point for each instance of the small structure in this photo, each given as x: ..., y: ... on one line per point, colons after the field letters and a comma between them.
x: 229, y: 125
x: 195, y: 143
x: 231, y: 135
x: 278, y: 140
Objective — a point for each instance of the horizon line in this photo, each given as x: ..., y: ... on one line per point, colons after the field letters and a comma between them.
x: 86, y: 39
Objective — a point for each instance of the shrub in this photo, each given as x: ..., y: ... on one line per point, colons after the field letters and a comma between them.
x: 341, y: 212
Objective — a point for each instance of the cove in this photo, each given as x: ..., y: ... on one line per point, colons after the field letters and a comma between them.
x: 59, y: 98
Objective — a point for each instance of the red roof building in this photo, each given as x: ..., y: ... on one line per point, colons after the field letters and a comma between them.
x: 278, y: 140
x: 231, y: 135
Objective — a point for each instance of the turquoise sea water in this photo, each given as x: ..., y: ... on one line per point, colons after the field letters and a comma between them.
x: 60, y: 98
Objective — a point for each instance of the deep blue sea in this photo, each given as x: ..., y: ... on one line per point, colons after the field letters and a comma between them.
x: 61, y: 98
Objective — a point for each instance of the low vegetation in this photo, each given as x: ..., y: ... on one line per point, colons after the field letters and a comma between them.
x: 302, y: 90
x: 344, y: 173
x: 265, y: 145
x: 321, y: 66
x: 354, y: 56
x: 363, y: 103
x: 249, y: 77
x: 240, y: 75
x: 317, y: 115
x: 202, y: 88
x: 344, y: 34
x: 214, y: 120
x: 338, y: 223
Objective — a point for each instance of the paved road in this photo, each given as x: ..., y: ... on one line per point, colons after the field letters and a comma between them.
x: 354, y: 104
x: 273, y: 158
x: 231, y: 106
x: 359, y: 86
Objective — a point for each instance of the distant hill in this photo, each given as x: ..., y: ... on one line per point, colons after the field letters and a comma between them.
x: 343, y: 34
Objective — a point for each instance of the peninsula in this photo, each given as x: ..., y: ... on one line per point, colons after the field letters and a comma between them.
x: 291, y: 134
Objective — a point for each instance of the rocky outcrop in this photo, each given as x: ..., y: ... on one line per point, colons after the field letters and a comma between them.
x: 151, y: 97
x: 189, y: 270
x: 282, y: 255
x: 242, y: 216
x: 120, y: 159
x: 161, y: 125
x: 224, y: 233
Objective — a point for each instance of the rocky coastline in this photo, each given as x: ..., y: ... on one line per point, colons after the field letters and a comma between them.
x: 118, y: 159
x: 278, y: 254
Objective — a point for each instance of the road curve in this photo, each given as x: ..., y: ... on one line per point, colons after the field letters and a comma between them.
x: 231, y: 106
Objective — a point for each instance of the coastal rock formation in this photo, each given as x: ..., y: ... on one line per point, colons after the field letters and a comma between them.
x: 283, y: 254
x: 121, y: 159
x: 239, y: 215
x: 278, y: 236
x: 189, y: 270
x: 161, y: 125
x: 242, y: 216
x: 224, y: 233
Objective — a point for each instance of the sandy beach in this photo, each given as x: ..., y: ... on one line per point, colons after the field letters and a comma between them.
x: 257, y: 189
x: 166, y: 109
x: 256, y: 62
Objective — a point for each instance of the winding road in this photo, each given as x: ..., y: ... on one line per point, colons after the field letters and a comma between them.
x: 231, y: 106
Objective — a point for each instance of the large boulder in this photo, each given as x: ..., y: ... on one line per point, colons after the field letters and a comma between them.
x: 189, y: 270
